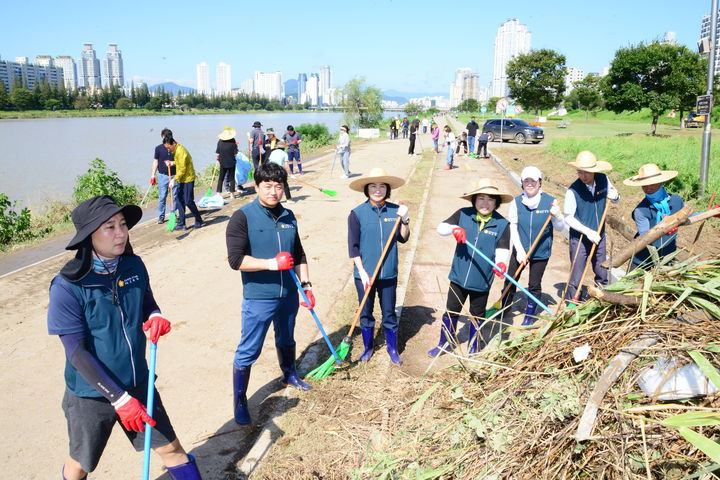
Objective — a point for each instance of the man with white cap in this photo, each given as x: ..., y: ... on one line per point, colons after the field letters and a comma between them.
x: 527, y: 215
x: 656, y: 205
x: 585, y: 204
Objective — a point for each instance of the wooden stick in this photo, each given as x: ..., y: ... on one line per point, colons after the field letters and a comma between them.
x: 375, y: 274
x: 614, y: 298
x: 561, y: 301
x: 702, y: 225
x: 306, y: 183
x: 592, y: 252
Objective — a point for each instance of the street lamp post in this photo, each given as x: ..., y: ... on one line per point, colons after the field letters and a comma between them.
x: 705, y: 154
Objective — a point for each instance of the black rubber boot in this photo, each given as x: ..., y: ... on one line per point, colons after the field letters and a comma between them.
x: 185, y: 471
x: 286, y: 358
x: 447, y: 331
x: 241, y: 378
x: 367, y: 335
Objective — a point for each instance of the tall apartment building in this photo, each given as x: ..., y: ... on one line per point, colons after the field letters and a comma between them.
x: 113, y: 66
x: 704, y: 42
x: 203, y: 78
x: 70, y: 75
x: 89, y: 68
x: 573, y: 75
x: 325, y: 85
x: 269, y: 85
x: 223, y: 75
x: 312, y: 92
x: 29, y: 74
x: 465, y: 86
x: 248, y: 86
x: 302, y: 83
x: 513, y: 38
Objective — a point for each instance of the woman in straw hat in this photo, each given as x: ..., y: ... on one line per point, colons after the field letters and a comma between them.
x: 527, y: 214
x: 470, y: 275
x: 100, y: 304
x: 585, y: 203
x: 656, y: 205
x: 225, y: 155
x: 369, y: 228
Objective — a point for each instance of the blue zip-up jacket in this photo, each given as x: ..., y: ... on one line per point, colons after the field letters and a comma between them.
x: 375, y: 224
x: 590, y: 208
x: 114, y: 328
x: 529, y: 223
x: 469, y: 270
x: 665, y: 244
x: 267, y: 237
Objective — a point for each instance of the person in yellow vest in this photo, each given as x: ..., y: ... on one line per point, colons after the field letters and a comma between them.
x: 184, y: 182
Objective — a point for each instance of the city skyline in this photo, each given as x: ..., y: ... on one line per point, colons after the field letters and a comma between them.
x: 402, y: 49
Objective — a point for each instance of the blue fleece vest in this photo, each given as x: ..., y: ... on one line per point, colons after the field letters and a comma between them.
x: 375, y: 227
x: 665, y: 244
x: 590, y: 208
x: 115, y: 333
x: 529, y: 223
x: 266, y: 238
x: 469, y: 270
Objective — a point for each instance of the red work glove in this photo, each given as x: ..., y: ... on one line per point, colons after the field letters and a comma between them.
x: 459, y: 234
x: 713, y: 208
x: 502, y: 268
x: 158, y: 326
x: 297, y: 141
x: 672, y: 231
x: 311, y: 298
x: 153, y: 180
x: 282, y: 261
x: 132, y: 414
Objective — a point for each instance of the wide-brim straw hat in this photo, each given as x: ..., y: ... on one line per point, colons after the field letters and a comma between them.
x: 376, y: 175
x: 228, y: 133
x: 588, y: 162
x: 488, y: 186
x: 92, y: 213
x: 650, y: 174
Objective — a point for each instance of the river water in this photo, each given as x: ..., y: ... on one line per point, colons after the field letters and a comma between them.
x: 41, y: 158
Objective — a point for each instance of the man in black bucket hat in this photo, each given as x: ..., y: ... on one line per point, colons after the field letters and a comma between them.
x: 100, y: 305
x: 256, y: 140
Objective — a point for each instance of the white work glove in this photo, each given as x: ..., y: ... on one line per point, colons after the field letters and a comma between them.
x: 364, y: 278
x: 612, y: 194
x: 520, y: 256
x: 555, y: 209
x: 403, y: 213
x: 593, y: 236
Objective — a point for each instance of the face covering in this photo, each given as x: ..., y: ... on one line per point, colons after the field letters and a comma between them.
x: 105, y: 266
x: 482, y: 220
x: 659, y: 201
x: 531, y: 202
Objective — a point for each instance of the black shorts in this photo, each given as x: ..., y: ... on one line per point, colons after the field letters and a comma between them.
x: 90, y: 421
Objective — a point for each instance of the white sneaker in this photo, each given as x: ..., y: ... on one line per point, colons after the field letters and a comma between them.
x: 343, y: 176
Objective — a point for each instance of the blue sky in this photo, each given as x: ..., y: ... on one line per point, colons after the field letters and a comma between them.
x: 411, y: 46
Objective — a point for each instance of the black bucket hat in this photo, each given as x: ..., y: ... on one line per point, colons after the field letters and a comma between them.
x: 257, y: 124
x: 90, y: 214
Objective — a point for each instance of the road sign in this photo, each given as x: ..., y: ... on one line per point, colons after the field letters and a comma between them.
x: 704, y: 104
x: 502, y: 104
x: 483, y: 109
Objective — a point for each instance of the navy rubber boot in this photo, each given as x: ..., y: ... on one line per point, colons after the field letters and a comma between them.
x: 367, y: 334
x: 447, y: 331
x: 474, y: 340
x: 286, y: 358
x: 391, y: 341
x: 529, y: 313
x: 185, y: 471
x: 241, y: 378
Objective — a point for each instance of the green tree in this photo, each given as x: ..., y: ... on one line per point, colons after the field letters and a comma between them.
x: 413, y: 109
x: 22, y: 98
x: 4, y: 98
x: 123, y: 103
x: 81, y: 103
x: 537, y: 79
x: 226, y: 105
x: 468, y: 105
x: 586, y: 95
x: 100, y: 180
x: 154, y: 104
x: 362, y: 104
x: 657, y: 76
x: 52, y: 104
x: 432, y: 111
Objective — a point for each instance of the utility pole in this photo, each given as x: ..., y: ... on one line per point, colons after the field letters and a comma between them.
x: 705, y: 155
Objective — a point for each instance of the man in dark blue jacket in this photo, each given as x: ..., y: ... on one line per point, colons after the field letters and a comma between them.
x: 263, y: 243
x: 472, y: 128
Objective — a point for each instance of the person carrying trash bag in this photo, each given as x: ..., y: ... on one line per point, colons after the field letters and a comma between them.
x: 529, y: 215
x: 369, y: 227
x: 263, y: 243
x: 656, y: 205
x: 100, y: 305
x: 584, y: 209
x: 470, y: 275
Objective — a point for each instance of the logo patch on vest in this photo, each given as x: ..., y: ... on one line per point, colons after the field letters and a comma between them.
x: 129, y: 280
x: 489, y: 232
x: 538, y: 212
x: 388, y: 219
x: 286, y: 225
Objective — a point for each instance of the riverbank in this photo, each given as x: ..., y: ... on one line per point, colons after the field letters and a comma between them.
x: 140, y: 112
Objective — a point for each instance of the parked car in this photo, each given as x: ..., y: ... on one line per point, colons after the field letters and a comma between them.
x: 512, y: 129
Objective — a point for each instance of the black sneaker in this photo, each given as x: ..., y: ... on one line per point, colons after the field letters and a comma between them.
x: 161, y: 220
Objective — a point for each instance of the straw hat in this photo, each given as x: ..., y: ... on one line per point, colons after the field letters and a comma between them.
x: 650, y: 174
x: 376, y: 175
x: 588, y: 162
x: 488, y: 186
x: 228, y: 133
x: 270, y: 131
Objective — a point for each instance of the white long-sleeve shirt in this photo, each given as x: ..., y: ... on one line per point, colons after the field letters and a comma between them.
x: 571, y: 207
x: 531, y: 202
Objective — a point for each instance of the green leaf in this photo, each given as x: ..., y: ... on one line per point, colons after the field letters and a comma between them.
x: 423, y: 398
x: 708, y: 369
x: 693, y: 419
x: 710, y: 307
x: 680, y: 299
x: 708, y: 447
x: 647, y: 284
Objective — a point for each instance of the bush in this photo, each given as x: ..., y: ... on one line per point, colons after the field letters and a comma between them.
x: 99, y: 180
x: 13, y: 226
x: 123, y: 103
x: 314, y: 132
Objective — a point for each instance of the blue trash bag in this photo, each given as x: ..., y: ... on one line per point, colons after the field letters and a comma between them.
x: 211, y: 202
x: 242, y: 168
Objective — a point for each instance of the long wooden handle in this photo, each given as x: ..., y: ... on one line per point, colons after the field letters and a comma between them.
x: 592, y: 252
x: 307, y: 183
x: 375, y: 274
x: 527, y: 257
